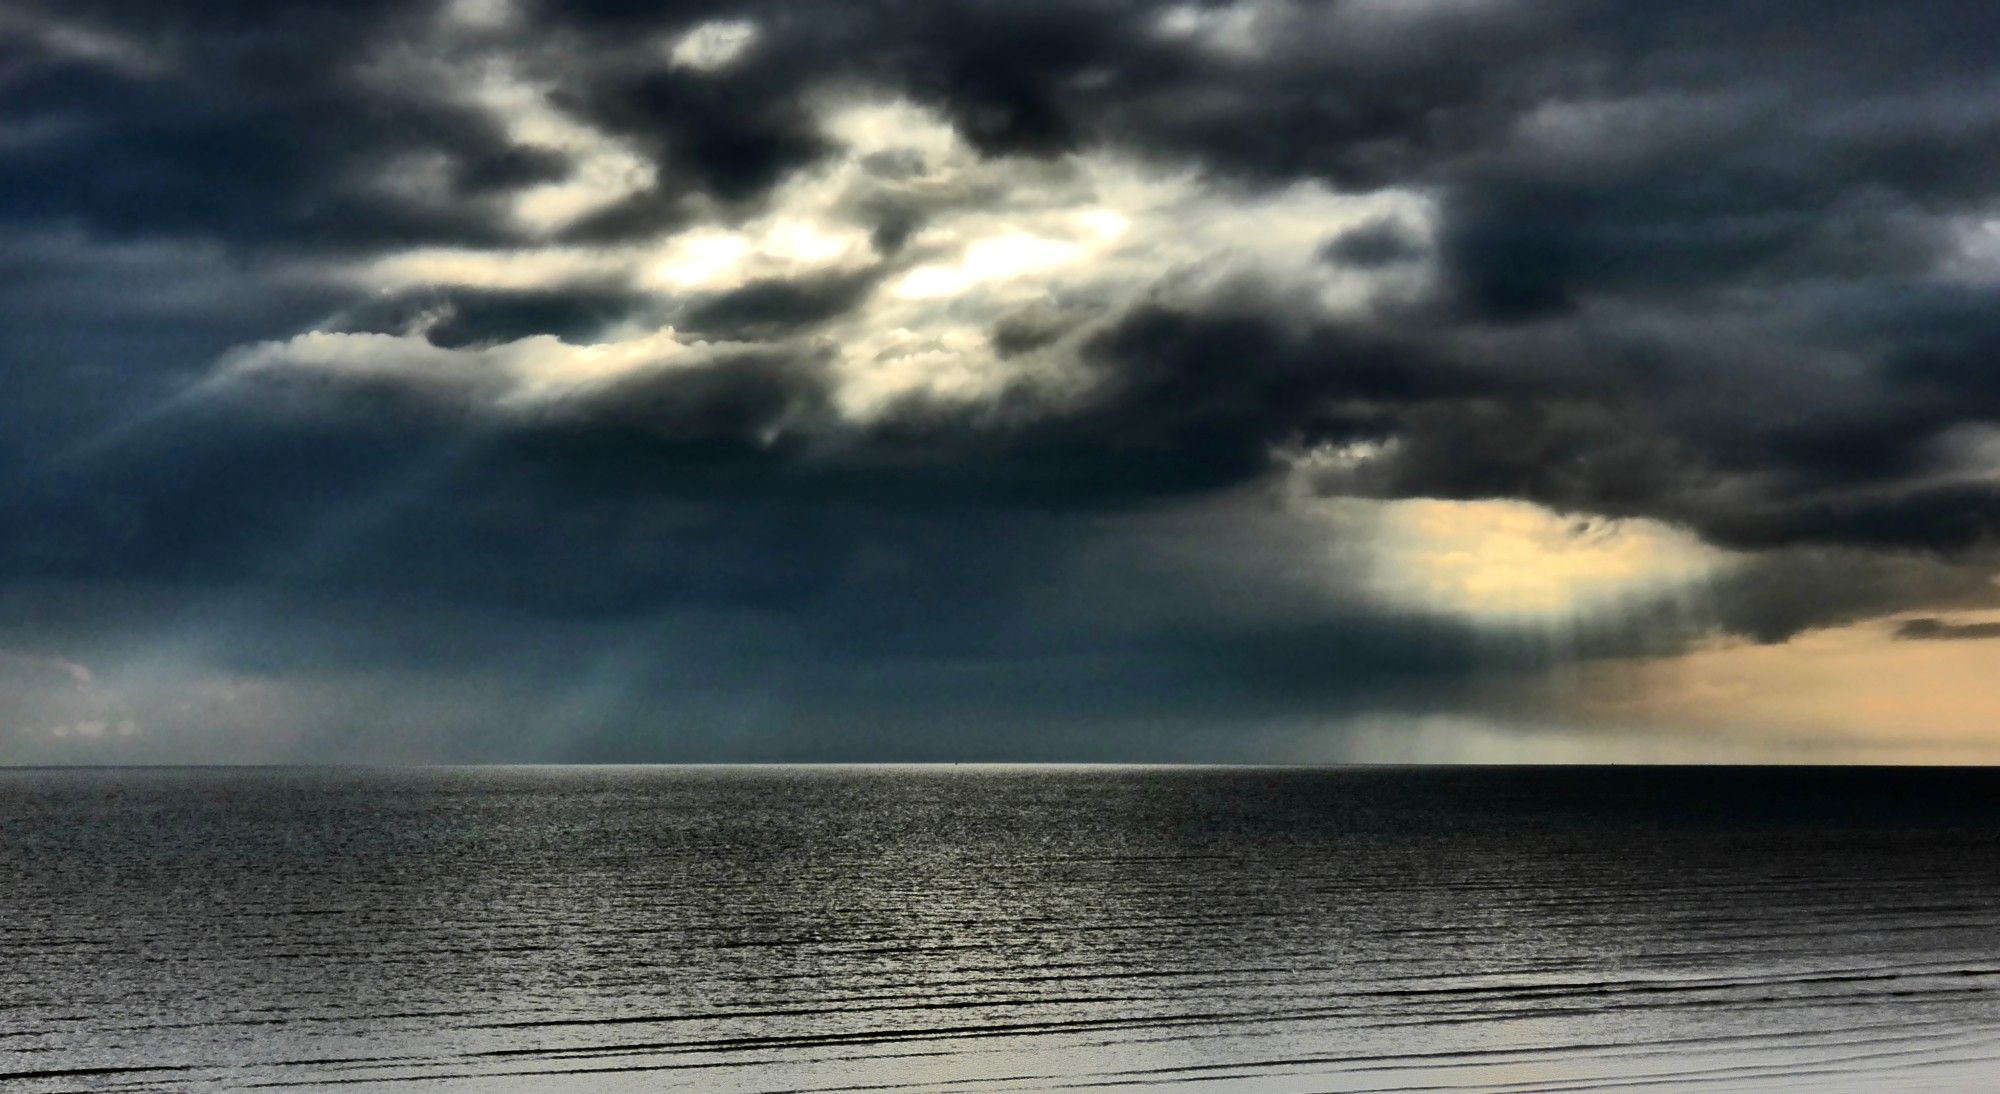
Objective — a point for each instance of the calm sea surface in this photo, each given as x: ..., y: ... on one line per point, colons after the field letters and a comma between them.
x: 999, y: 929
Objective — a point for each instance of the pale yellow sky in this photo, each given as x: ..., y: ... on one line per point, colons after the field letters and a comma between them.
x: 1848, y: 693
x: 1855, y: 693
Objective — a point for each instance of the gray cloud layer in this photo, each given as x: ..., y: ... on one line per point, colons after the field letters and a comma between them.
x: 1729, y: 267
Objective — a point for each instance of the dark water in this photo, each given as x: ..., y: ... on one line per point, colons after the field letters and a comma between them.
x: 999, y: 929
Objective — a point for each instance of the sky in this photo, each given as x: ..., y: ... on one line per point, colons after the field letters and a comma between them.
x: 999, y: 380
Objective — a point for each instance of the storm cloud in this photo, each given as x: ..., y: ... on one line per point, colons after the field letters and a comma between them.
x: 490, y: 379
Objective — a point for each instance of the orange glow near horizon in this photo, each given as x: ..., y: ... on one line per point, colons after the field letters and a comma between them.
x: 1856, y: 693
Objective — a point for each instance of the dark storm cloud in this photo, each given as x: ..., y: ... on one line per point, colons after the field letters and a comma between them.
x: 253, y: 127
x: 763, y: 310
x: 1779, y: 594
x: 739, y: 444
x: 1588, y: 157
x: 1715, y: 264
x: 1935, y: 629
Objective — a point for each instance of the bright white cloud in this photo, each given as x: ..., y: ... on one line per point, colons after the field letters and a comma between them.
x: 1081, y: 238
x: 506, y: 374
x: 1002, y: 258
x: 1076, y: 240
x: 714, y: 46
x: 778, y: 246
x: 514, y: 269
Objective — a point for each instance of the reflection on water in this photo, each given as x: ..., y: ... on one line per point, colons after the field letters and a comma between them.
x: 999, y: 929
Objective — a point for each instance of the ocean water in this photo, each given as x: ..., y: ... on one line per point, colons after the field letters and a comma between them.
x: 999, y: 929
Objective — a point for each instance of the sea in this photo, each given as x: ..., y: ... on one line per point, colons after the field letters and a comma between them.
x: 975, y: 928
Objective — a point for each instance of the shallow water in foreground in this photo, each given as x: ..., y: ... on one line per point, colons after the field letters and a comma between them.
x: 999, y: 929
